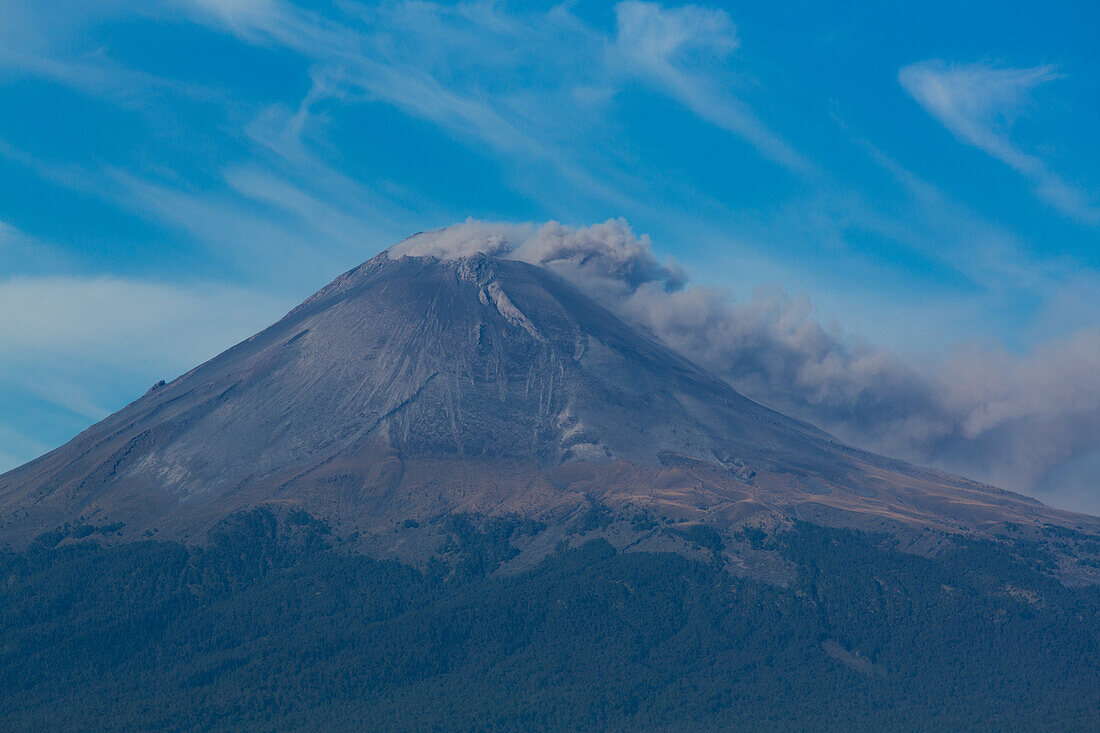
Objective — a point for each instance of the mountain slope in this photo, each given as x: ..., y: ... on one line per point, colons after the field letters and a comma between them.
x: 411, y: 388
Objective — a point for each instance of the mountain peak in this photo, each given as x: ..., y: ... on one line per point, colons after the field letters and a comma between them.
x: 414, y: 386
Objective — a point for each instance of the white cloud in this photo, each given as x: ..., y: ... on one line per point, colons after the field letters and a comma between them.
x: 977, y: 103
x: 682, y: 51
x: 241, y: 13
x: 25, y: 254
x: 112, y: 320
x: 449, y: 69
x: 474, y: 70
x: 286, y: 218
x: 525, y: 88
x: 11, y: 238
x: 97, y: 74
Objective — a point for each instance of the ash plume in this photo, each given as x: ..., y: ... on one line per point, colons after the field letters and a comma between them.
x: 1028, y: 423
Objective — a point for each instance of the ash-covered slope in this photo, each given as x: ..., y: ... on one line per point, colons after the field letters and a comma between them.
x: 413, y: 387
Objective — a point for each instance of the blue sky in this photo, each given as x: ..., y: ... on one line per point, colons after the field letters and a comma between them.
x: 176, y: 174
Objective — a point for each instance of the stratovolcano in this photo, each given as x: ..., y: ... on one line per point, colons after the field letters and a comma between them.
x: 412, y: 388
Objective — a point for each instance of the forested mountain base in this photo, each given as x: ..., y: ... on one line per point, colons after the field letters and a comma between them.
x: 270, y: 628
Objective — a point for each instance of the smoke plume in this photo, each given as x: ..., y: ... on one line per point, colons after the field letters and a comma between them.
x: 1030, y: 424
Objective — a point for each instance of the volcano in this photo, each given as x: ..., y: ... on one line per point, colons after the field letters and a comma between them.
x: 458, y: 494
x: 412, y: 388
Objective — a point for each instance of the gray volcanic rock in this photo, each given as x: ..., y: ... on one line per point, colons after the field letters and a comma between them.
x: 413, y: 387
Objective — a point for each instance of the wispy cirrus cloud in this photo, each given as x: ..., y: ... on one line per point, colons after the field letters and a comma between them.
x: 526, y: 87
x: 977, y: 103
x: 96, y: 315
x: 97, y: 74
x: 446, y: 70
x: 22, y: 253
x: 684, y: 51
x: 521, y: 82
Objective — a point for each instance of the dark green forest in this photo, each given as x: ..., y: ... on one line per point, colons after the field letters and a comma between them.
x: 271, y: 627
